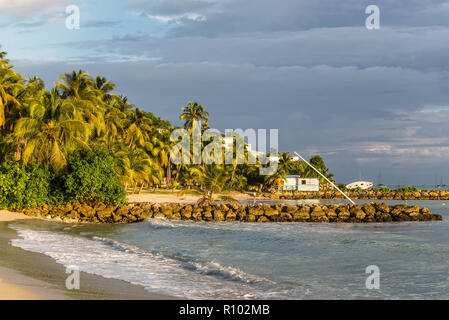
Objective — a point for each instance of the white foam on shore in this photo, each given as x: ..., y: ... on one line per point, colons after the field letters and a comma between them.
x: 156, y: 272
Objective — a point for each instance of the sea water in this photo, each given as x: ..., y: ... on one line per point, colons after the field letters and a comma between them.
x: 231, y: 260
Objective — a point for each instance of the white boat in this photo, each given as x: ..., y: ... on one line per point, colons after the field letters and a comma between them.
x: 364, y: 185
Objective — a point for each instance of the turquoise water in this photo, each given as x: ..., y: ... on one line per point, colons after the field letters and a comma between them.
x: 257, y: 261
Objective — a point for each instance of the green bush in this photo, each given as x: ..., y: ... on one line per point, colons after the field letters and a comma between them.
x: 24, y: 187
x: 408, y: 189
x: 90, y: 177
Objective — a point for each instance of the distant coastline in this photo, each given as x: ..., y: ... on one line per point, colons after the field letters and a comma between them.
x: 363, y: 194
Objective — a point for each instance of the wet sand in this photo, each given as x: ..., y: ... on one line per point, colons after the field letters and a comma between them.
x: 27, y: 275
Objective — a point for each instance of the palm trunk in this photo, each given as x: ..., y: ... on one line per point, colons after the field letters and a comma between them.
x: 168, y: 173
x: 141, y: 187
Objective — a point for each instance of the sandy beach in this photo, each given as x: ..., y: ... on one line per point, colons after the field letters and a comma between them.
x: 27, y: 275
x: 31, y: 276
x: 172, y: 197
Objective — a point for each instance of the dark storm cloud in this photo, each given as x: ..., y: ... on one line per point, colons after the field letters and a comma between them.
x: 252, y: 16
x: 334, y: 111
x: 366, y: 100
x: 176, y: 7
x: 414, y: 48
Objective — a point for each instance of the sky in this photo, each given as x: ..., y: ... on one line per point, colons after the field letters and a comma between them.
x: 368, y: 101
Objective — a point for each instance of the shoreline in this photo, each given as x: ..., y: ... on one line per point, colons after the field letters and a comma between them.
x: 26, y: 275
x: 357, y: 195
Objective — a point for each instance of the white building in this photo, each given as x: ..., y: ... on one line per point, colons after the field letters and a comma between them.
x: 295, y: 182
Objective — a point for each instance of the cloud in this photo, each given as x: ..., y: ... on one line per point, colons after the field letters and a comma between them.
x: 232, y: 17
x: 366, y: 100
x: 20, y: 8
x: 178, y: 19
x: 412, y: 48
x: 100, y: 24
x: 180, y: 7
x: 318, y: 110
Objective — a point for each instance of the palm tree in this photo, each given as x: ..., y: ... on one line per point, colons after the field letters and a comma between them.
x: 79, y: 87
x: 137, y: 129
x: 194, y: 112
x: 3, y: 61
x: 159, y: 147
x: 11, y: 85
x: 211, y: 179
x: 48, y: 132
x: 136, y: 167
x: 104, y: 87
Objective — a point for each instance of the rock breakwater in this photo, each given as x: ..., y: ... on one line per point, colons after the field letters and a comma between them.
x: 344, y: 213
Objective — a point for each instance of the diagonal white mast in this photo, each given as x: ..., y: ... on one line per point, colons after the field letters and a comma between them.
x: 344, y: 194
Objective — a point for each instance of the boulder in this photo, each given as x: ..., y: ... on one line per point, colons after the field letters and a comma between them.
x: 219, y: 215
x: 197, y: 215
x: 285, y: 217
x: 207, y: 216
x: 231, y: 216
x: 332, y: 215
x: 186, y: 215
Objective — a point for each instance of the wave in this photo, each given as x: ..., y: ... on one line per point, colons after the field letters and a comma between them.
x: 156, y: 271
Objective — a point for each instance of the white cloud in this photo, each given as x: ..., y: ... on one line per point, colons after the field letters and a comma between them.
x: 178, y: 19
x: 26, y: 7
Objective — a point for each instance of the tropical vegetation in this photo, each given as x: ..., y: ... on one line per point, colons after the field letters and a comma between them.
x: 79, y: 141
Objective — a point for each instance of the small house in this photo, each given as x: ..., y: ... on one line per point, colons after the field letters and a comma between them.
x: 295, y: 182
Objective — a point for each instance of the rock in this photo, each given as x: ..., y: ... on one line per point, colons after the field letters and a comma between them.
x: 414, y: 209
x: 369, y: 209
x: 386, y: 217
x: 359, y: 214
x: 101, y: 213
x: 332, y: 215
x: 219, y: 215
x: 207, y: 216
x: 318, y: 215
x: 251, y: 218
x: 241, y: 214
x: 176, y: 216
x: 285, y: 217
x: 197, y: 216
x: 415, y: 216
x: 301, y: 216
x: 123, y: 211
x: 290, y: 209
x: 343, y: 216
x: 256, y: 211
x: 231, y: 216
x: 186, y: 215
x: 167, y: 211
x: 271, y: 213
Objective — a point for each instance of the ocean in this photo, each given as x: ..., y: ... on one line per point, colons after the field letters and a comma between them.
x: 231, y: 260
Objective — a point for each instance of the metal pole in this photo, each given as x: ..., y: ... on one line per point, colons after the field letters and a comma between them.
x: 344, y: 194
